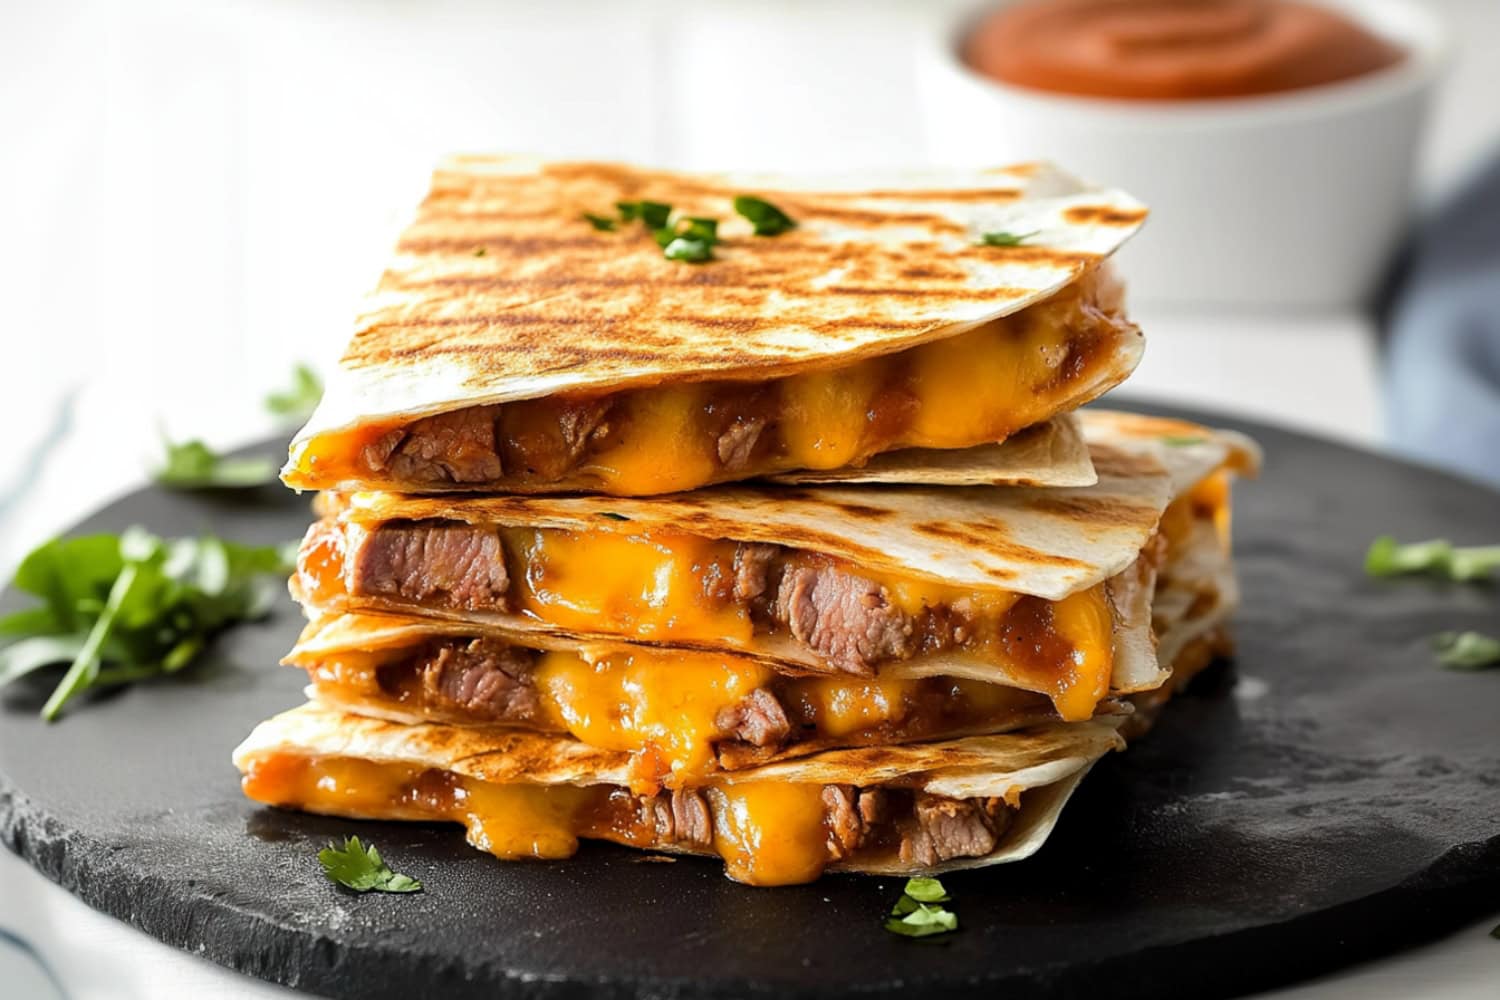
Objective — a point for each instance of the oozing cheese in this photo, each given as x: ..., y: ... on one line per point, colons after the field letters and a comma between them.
x: 662, y: 706
x: 769, y: 833
x: 649, y: 587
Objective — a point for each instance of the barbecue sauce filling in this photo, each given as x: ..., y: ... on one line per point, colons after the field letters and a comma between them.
x: 673, y: 588
x: 976, y: 387
x: 768, y: 833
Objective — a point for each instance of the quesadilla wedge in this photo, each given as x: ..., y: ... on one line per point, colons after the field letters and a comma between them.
x: 514, y: 346
x: 898, y: 810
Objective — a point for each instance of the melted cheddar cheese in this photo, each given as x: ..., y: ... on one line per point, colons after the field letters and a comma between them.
x: 650, y: 587
x: 662, y: 706
x: 768, y: 833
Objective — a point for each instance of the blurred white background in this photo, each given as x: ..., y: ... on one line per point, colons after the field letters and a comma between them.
x: 193, y: 195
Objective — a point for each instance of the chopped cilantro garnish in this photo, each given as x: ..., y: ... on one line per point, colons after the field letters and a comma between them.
x: 360, y: 868
x: 918, y: 913
x: 1003, y: 239
x: 1440, y: 557
x: 1467, y: 650
x: 767, y: 219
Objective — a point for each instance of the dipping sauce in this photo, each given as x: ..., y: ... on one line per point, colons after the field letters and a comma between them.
x: 1165, y: 50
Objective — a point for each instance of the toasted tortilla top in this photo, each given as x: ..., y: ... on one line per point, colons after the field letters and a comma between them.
x: 500, y: 290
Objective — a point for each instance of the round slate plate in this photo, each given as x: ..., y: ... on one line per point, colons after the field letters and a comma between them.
x: 1333, y: 797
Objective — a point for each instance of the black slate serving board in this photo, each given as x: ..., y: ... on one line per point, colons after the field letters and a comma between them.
x: 1331, y: 797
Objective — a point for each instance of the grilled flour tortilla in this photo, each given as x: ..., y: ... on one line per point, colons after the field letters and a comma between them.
x: 683, y: 714
x: 897, y: 810
x: 512, y: 346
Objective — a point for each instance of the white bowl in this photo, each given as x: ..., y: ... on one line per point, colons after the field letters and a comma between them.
x: 1294, y: 199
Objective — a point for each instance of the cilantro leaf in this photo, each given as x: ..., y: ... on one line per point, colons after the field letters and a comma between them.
x: 122, y: 608
x: 922, y: 921
x: 917, y: 913
x: 926, y: 890
x: 1000, y: 238
x: 1182, y: 440
x: 360, y: 868
x: 296, y: 404
x: 193, y: 465
x: 653, y: 214
x: 689, y: 250
x: 1467, y: 650
x: 1439, y: 557
x: 767, y: 219
x: 603, y: 223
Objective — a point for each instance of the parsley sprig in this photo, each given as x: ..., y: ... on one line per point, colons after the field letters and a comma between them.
x: 297, y: 403
x: 122, y: 608
x: 919, y: 912
x: 361, y: 868
x: 1439, y: 557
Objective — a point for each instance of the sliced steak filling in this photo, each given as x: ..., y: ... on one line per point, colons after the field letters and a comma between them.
x: 485, y: 680
x: 446, y: 562
x: 847, y: 619
x: 941, y: 829
x: 456, y: 447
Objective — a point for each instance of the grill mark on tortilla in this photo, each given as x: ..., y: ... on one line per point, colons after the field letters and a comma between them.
x: 1103, y: 215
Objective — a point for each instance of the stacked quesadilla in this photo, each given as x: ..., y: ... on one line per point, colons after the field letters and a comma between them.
x: 799, y: 556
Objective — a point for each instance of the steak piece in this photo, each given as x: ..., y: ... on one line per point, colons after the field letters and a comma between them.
x: 847, y: 619
x: 942, y: 828
x: 752, y: 564
x: 443, y: 562
x: 850, y: 815
x: 758, y: 720
x: 456, y: 447
x: 682, y: 817
x: 485, y: 678
x: 545, y: 438
x: 737, y: 443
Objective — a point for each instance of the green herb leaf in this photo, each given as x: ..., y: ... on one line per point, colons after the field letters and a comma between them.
x: 690, y: 250
x: 121, y: 608
x: 653, y: 214
x: 480, y: 251
x: 923, y: 921
x: 917, y: 913
x: 926, y: 890
x: 1467, y: 650
x: 1182, y: 441
x: 193, y: 465
x: 360, y: 868
x: 603, y: 223
x: 297, y: 403
x: 1004, y: 239
x: 1439, y: 557
x: 767, y: 219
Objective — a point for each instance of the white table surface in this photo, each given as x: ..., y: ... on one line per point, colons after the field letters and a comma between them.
x: 192, y: 196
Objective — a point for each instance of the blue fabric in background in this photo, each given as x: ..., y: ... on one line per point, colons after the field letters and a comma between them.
x: 1443, y: 364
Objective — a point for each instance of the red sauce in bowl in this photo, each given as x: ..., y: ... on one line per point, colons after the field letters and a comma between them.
x: 1173, y: 49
